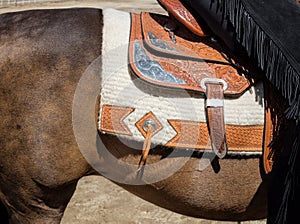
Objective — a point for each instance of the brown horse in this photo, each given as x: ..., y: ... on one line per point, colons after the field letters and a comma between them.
x: 46, y: 57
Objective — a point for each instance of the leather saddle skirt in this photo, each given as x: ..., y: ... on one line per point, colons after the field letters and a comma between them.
x: 184, y: 61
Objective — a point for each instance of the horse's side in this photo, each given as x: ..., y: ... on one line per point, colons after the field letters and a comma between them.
x: 43, y: 55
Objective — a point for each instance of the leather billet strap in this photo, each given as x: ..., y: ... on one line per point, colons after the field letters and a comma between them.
x: 215, y: 117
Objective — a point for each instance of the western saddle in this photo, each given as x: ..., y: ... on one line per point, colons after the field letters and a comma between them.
x: 175, y: 51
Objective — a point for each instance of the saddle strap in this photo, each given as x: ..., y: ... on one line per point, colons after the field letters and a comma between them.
x: 215, y: 118
x: 268, y: 137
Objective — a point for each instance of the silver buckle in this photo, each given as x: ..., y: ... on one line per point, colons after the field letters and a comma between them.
x: 213, y: 80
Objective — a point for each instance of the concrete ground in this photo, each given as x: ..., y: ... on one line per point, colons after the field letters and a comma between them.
x: 97, y: 200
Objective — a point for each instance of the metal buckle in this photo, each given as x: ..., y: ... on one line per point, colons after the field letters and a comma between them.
x: 213, y: 80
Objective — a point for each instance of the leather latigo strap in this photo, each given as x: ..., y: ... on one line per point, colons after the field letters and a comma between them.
x: 268, y: 136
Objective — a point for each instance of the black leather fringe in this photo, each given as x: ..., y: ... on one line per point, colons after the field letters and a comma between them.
x: 284, y: 195
x: 280, y: 72
x: 266, y: 53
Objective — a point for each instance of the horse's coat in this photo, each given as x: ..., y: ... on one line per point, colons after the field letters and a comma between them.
x: 43, y: 55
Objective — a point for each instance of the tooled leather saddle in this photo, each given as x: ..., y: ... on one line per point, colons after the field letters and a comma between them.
x: 175, y: 51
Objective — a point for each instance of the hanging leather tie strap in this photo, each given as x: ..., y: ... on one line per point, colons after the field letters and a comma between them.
x: 146, y: 145
x: 215, y: 114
